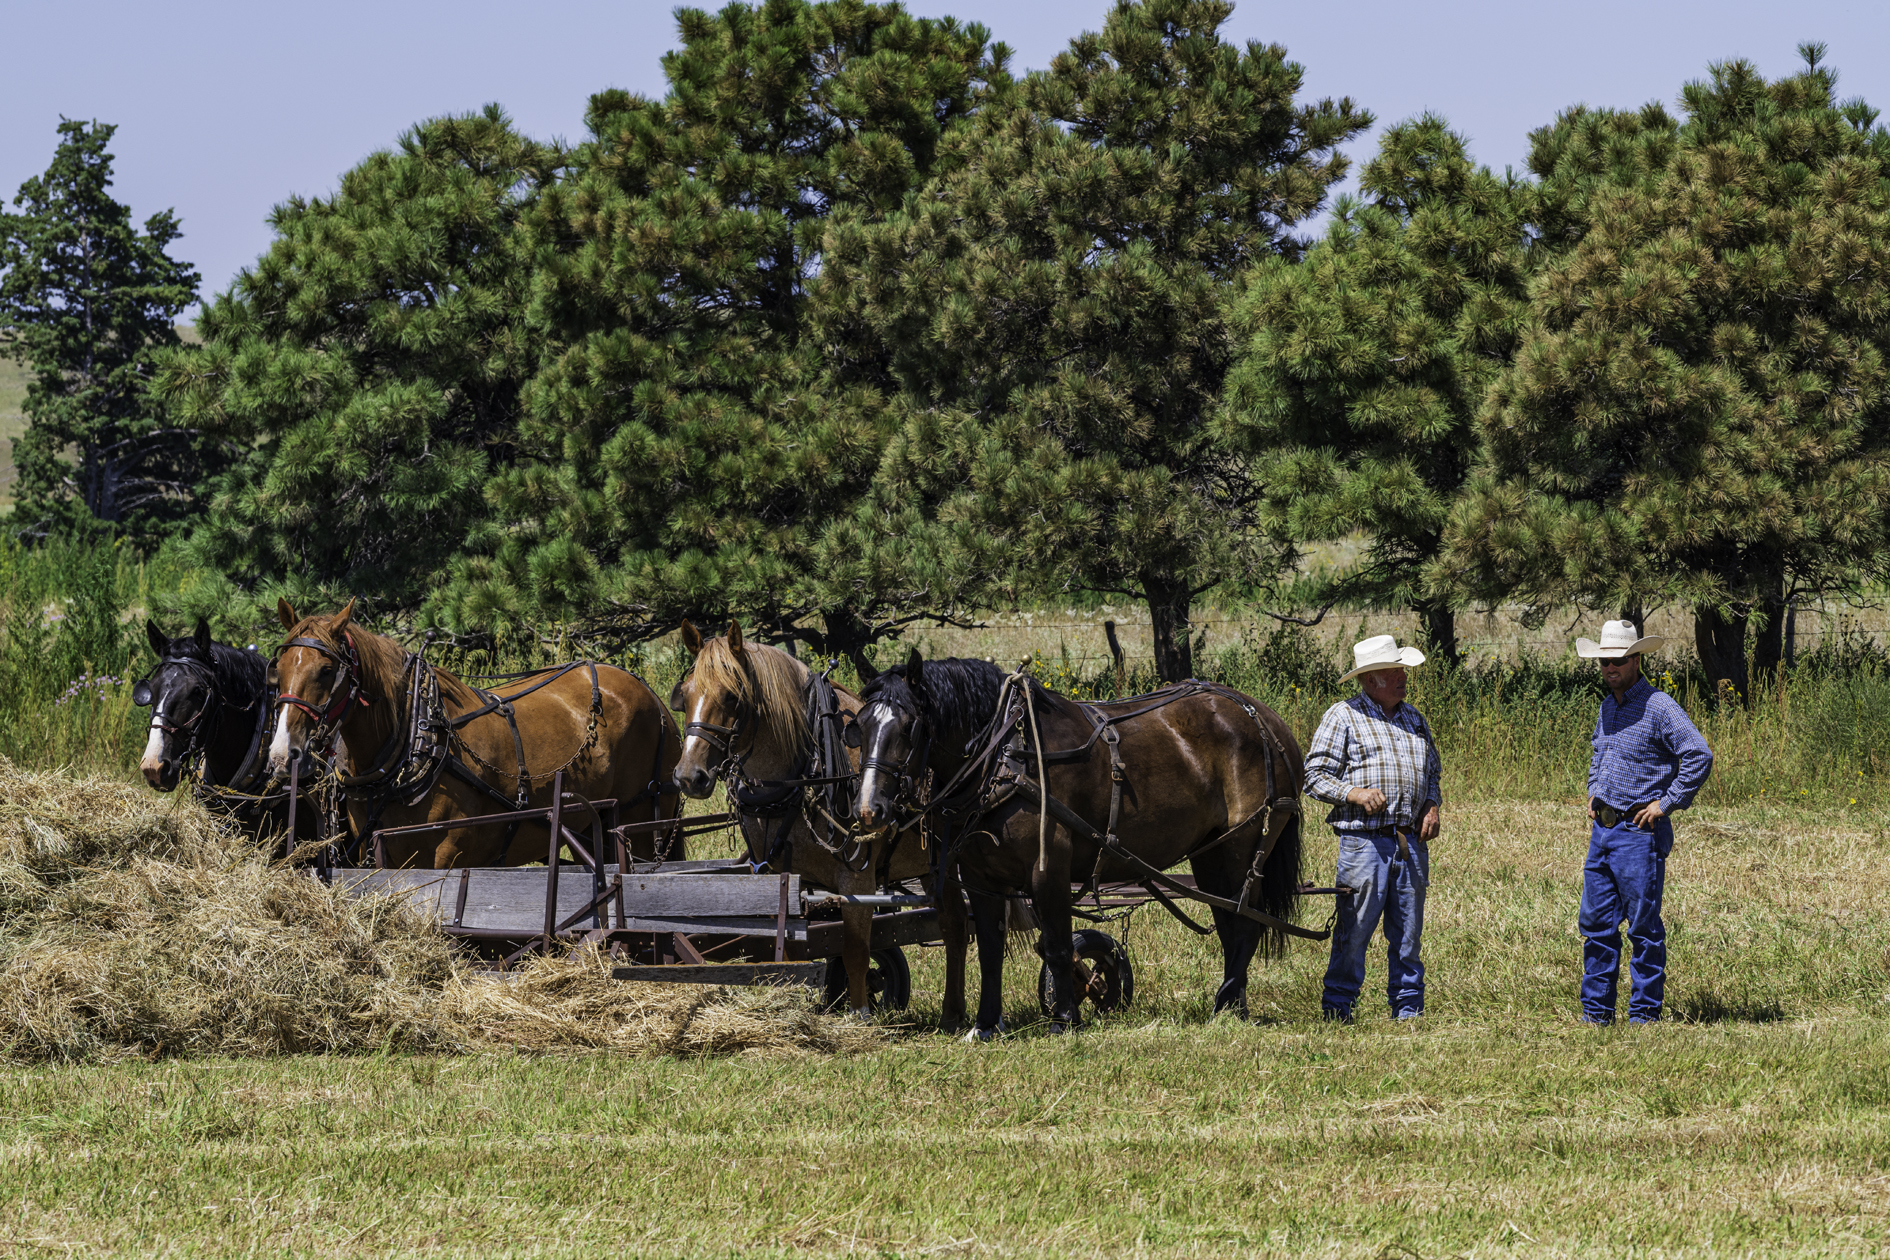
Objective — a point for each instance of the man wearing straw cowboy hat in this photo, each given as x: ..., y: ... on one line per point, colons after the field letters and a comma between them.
x: 1374, y: 761
x: 1649, y: 760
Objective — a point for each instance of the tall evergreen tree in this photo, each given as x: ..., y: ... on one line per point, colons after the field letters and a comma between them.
x: 1697, y: 411
x: 1367, y: 362
x: 369, y: 367
x: 688, y: 447
x: 86, y: 300
x: 1054, y: 305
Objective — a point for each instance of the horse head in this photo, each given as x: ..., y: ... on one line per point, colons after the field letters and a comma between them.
x: 182, y: 695
x: 739, y: 700
x: 891, y: 734
x: 317, y: 676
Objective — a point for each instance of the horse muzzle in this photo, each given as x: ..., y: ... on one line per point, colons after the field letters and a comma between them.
x: 696, y: 783
x: 161, y: 773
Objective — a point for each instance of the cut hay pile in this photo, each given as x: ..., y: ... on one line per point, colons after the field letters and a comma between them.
x: 135, y: 924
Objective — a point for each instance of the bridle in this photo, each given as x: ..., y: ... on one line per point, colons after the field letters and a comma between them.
x: 905, y: 796
x: 196, y: 728
x: 346, y: 692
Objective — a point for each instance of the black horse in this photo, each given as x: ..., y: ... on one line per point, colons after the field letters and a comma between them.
x: 1196, y: 773
x: 210, y: 709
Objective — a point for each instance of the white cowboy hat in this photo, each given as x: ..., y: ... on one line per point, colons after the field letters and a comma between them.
x: 1617, y: 640
x: 1382, y: 652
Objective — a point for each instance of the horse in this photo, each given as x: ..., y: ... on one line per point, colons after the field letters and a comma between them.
x: 765, y: 722
x: 210, y: 709
x: 1195, y: 772
x: 419, y: 745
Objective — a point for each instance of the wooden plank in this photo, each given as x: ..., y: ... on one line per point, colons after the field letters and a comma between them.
x: 700, y: 896
x: 516, y: 899
x: 908, y: 927
x: 725, y: 925
x: 811, y: 974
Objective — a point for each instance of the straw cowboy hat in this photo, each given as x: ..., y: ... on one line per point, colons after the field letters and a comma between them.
x: 1382, y: 652
x: 1617, y: 640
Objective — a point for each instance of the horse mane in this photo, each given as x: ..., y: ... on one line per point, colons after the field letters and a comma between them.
x: 959, y: 693
x: 774, y: 689
x: 383, y: 660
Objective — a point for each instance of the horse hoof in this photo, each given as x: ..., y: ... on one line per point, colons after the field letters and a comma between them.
x: 864, y: 1014
x: 979, y: 1035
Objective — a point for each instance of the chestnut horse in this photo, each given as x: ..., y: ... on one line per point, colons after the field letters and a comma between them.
x: 757, y: 711
x: 422, y: 746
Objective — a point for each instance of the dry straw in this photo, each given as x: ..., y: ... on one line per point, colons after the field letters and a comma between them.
x: 135, y: 925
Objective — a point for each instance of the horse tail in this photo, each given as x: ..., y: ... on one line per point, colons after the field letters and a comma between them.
x: 1279, y: 882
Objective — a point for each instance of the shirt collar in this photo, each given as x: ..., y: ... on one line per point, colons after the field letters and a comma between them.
x: 1640, y: 689
x: 1371, y: 706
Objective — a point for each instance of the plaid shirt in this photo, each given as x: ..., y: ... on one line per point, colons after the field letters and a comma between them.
x: 1357, y: 746
x: 1647, y: 749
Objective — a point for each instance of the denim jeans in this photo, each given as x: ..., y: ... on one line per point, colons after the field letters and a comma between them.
x: 1390, y: 888
x: 1624, y: 877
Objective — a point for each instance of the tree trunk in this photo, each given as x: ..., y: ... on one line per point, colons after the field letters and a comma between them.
x: 1439, y: 628
x: 1721, y: 642
x: 1168, y: 602
x: 846, y: 635
x: 1768, y: 647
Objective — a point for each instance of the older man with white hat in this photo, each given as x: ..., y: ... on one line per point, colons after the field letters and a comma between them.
x: 1374, y: 761
x: 1648, y: 761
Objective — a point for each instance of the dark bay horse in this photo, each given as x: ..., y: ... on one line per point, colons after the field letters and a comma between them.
x: 756, y: 709
x: 1195, y: 772
x: 210, y: 713
x: 419, y: 745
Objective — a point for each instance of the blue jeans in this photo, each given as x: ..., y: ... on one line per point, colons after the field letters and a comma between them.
x: 1624, y: 877
x: 1390, y: 888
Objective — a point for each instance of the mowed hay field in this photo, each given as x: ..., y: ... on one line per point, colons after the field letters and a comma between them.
x: 1754, y: 1123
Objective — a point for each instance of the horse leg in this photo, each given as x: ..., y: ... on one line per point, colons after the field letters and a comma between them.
x: 987, y: 913
x: 1050, y: 895
x: 949, y: 899
x: 1217, y: 875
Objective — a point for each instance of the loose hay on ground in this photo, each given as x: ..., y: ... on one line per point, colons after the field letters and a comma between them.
x: 136, y: 925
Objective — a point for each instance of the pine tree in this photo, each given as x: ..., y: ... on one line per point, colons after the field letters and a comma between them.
x: 1697, y: 410
x: 369, y: 366
x: 688, y: 449
x: 1366, y: 362
x: 1054, y: 309
x: 87, y: 300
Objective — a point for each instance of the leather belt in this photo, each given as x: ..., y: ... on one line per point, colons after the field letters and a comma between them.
x: 1608, y: 816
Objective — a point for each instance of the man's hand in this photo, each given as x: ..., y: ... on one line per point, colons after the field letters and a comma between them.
x: 1371, y: 800
x: 1427, y: 826
x: 1649, y: 812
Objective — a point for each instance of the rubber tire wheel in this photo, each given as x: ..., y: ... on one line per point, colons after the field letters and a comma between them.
x: 888, y: 980
x: 1106, y: 958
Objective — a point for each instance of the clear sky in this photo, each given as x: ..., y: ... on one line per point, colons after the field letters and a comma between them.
x: 224, y: 109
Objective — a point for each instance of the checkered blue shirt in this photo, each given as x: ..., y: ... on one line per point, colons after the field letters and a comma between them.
x: 1357, y: 746
x: 1647, y: 749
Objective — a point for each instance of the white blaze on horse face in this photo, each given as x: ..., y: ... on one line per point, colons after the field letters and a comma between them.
x: 280, y: 746
x: 881, y: 716
x: 154, y: 747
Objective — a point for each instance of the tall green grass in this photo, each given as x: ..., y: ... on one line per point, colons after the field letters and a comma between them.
x: 72, y: 641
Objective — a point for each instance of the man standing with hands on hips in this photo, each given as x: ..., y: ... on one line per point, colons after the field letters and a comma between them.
x: 1649, y: 760
x: 1374, y: 761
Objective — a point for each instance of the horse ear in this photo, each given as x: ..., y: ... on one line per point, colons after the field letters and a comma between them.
x: 286, y: 614
x: 156, y: 636
x: 203, y: 635
x: 691, y: 637
x: 734, y: 636
x: 340, y: 620
x: 915, y: 666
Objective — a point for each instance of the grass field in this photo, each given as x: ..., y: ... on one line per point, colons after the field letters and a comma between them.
x: 1753, y: 1123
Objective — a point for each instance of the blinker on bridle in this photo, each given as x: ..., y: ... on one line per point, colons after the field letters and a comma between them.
x: 350, y: 666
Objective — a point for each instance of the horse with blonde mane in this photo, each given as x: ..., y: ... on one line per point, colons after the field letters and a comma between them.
x: 418, y: 745
x: 761, y: 719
